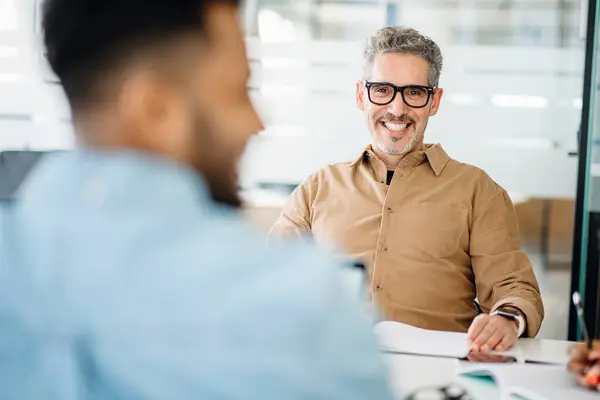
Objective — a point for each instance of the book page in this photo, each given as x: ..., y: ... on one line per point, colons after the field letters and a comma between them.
x: 401, y: 338
x: 530, y: 381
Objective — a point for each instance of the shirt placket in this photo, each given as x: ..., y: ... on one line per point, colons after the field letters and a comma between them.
x: 382, y: 254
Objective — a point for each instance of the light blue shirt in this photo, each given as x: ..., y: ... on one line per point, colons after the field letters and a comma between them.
x: 120, y: 279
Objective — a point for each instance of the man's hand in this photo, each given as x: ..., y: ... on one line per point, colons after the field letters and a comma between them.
x: 584, y: 361
x: 492, y: 333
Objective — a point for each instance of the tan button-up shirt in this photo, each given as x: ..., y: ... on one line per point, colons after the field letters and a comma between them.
x: 442, y: 234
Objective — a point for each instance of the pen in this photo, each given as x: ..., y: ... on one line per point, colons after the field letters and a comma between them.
x: 593, y: 380
x: 582, y: 325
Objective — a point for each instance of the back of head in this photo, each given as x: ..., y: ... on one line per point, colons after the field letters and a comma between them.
x: 161, y: 76
x: 87, y: 40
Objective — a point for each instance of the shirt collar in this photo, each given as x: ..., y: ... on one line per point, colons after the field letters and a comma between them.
x: 437, y: 157
x: 433, y: 153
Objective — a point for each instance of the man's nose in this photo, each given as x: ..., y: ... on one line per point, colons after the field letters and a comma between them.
x: 398, y: 107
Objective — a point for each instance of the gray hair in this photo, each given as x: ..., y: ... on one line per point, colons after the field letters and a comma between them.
x: 398, y: 39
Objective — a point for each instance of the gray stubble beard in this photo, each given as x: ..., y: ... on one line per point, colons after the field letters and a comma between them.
x: 394, y: 151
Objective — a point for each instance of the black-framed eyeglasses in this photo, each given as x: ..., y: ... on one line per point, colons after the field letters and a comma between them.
x: 383, y: 93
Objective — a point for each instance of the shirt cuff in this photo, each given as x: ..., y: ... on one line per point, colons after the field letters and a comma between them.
x: 522, y: 324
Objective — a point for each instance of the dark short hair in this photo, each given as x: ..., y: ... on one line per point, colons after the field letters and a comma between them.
x: 87, y: 39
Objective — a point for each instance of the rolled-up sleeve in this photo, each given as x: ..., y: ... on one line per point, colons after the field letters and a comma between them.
x: 503, y: 272
x: 295, y: 218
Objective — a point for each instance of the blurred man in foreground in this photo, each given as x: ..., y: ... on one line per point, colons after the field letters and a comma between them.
x: 435, y: 233
x: 122, y: 278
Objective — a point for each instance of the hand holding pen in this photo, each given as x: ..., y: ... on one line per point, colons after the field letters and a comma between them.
x: 585, y: 357
x: 585, y: 364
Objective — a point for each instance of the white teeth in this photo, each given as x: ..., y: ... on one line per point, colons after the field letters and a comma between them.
x: 395, y: 127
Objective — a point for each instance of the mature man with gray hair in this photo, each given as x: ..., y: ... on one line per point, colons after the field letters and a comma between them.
x: 435, y: 234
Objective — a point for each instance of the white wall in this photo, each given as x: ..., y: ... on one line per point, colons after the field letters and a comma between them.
x: 33, y: 113
x: 512, y: 110
x: 512, y: 106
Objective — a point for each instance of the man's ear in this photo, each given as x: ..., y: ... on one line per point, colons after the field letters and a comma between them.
x: 436, y: 101
x: 360, y: 96
x: 152, y: 111
x: 137, y: 102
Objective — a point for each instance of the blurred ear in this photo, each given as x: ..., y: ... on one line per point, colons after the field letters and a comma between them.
x: 360, y: 96
x: 153, y: 112
x: 436, y: 101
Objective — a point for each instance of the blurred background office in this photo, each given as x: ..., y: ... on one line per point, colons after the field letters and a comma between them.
x: 514, y: 98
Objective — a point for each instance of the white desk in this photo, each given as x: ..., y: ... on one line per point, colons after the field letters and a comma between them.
x: 550, y: 351
x: 409, y: 373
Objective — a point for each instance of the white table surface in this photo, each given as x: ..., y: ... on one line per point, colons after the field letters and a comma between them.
x: 550, y: 351
x: 408, y: 373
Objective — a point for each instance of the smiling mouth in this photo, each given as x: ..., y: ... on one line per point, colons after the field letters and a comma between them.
x: 396, y: 127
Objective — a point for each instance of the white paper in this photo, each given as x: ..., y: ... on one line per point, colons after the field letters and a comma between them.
x: 530, y: 381
x: 542, y: 350
x: 402, y: 338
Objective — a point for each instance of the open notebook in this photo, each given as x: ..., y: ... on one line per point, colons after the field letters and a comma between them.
x: 528, y: 381
x: 401, y: 338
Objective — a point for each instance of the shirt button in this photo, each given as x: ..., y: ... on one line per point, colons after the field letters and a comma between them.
x: 379, y: 288
x: 384, y: 248
x: 388, y: 209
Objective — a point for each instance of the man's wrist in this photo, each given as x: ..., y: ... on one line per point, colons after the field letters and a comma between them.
x: 515, y: 314
x: 511, y: 310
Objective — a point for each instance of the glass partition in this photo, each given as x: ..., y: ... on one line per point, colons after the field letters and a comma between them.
x: 586, y: 259
x: 513, y: 79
